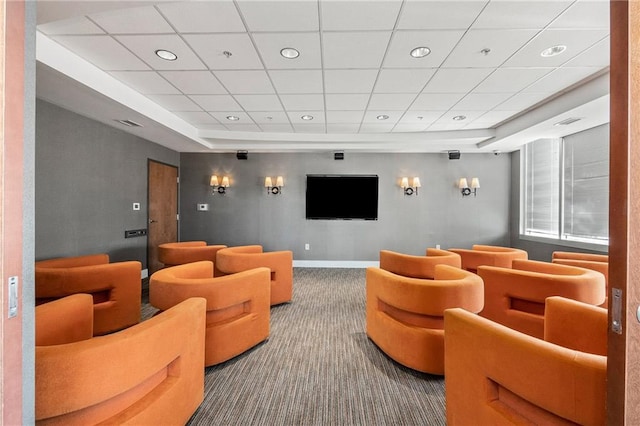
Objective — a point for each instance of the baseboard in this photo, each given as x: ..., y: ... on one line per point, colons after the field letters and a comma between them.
x: 335, y: 263
x: 145, y: 274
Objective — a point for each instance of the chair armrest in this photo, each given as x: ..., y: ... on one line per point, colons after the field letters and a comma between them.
x: 65, y: 320
x: 576, y: 325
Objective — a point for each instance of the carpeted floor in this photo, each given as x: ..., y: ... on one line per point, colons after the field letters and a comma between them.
x: 318, y: 367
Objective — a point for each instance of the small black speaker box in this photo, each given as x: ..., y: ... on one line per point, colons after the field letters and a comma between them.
x: 242, y: 155
x: 338, y: 156
x: 454, y: 155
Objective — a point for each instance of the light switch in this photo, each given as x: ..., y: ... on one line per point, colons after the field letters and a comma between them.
x: 136, y: 206
x: 203, y: 207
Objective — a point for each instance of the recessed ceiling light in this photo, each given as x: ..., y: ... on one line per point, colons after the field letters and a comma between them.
x: 382, y: 117
x: 420, y: 52
x: 289, y: 53
x: 553, y: 51
x: 460, y: 117
x: 307, y: 117
x: 166, y: 55
x: 233, y: 118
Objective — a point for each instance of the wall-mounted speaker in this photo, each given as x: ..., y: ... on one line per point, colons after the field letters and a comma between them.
x: 338, y: 155
x: 242, y: 155
x: 454, y: 155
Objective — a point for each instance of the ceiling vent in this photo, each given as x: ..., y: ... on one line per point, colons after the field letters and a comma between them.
x: 567, y: 121
x: 130, y: 123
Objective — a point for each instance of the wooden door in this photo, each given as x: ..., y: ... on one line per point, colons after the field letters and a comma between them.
x: 623, y: 361
x: 163, y: 210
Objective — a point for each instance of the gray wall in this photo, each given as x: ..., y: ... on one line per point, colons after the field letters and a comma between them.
x: 88, y: 175
x: 538, y: 249
x: 439, y: 215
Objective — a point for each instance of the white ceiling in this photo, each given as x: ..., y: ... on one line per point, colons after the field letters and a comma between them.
x: 98, y: 58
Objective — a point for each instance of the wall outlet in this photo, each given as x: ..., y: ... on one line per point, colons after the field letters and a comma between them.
x: 203, y: 207
x: 307, y: 246
x: 438, y: 246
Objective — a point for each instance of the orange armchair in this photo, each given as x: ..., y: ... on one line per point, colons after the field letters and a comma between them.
x: 237, y: 259
x: 496, y: 375
x: 151, y: 373
x: 596, y: 262
x: 173, y: 254
x: 515, y: 296
x: 116, y: 287
x: 417, y: 266
x: 488, y: 255
x: 405, y: 315
x: 237, y: 305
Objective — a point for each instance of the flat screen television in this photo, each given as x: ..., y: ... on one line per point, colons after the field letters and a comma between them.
x: 346, y: 197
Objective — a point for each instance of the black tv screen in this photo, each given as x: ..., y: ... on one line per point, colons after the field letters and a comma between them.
x: 342, y: 197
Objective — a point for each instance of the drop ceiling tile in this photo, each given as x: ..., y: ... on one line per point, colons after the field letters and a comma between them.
x: 423, y: 118
x: 520, y: 14
x: 245, y: 82
x: 309, y: 128
x: 391, y: 102
x: 584, y: 14
x: 297, y: 81
x: 194, y: 82
x: 259, y: 102
x: 216, y: 102
x: 501, y: 43
x: 599, y: 55
x: 560, y: 79
x: 145, y: 46
x: 511, y: 80
x: 349, y: 81
x: 435, y: 101
x: 354, y: 49
x: 575, y: 40
x: 303, y: 102
x: 409, y: 128
x: 133, y: 20
x: 521, y: 101
x: 440, y: 42
x: 403, y: 80
x: 346, y: 102
x: 270, y: 45
x: 420, y: 14
x: 75, y: 26
x: 146, y: 82
x: 175, y: 102
x: 102, y: 51
x: 481, y: 101
x: 241, y: 127
x: 196, y: 117
x: 220, y: 16
x: 345, y: 117
x: 492, y: 118
x: 376, y: 127
x: 279, y: 15
x: 276, y: 128
x: 342, y: 128
x: 221, y: 116
x: 371, y: 117
x: 211, y: 48
x: 269, y: 117
x: 456, y: 80
x: 359, y: 15
x: 296, y: 117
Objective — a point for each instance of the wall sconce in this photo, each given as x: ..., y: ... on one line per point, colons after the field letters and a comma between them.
x: 465, y: 189
x: 275, y: 190
x: 220, y: 188
x: 413, y: 189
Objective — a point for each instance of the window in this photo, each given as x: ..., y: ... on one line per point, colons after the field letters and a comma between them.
x: 566, y: 187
